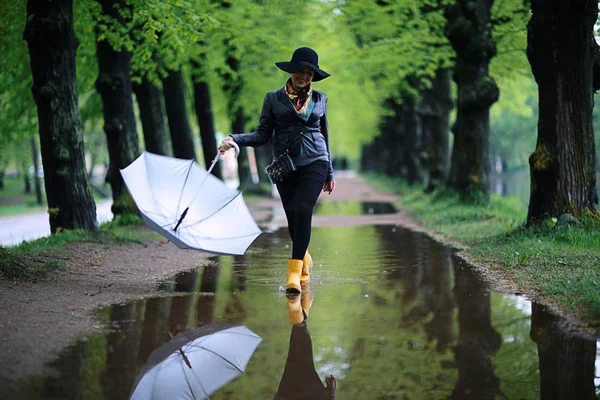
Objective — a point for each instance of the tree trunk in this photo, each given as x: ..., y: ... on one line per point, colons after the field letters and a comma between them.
x: 434, y: 111
x: 566, y: 361
x: 233, y: 88
x: 563, y: 175
x: 149, y: 98
x: 179, y: 124
x: 387, y: 148
x: 243, y: 160
x: 410, y: 152
x: 468, y: 29
x: 263, y: 157
x: 52, y: 46
x: 204, y: 114
x: 36, y: 166
x: 26, y: 180
x: 114, y: 86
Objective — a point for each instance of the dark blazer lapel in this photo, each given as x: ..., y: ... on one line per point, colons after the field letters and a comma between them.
x: 285, y: 100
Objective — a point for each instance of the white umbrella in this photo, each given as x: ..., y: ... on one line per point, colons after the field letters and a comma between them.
x: 186, y: 204
x: 197, y: 363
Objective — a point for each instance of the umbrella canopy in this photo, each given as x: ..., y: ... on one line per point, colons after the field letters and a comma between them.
x: 197, y: 363
x: 186, y: 204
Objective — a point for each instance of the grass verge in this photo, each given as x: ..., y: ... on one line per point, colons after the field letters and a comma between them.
x: 560, y: 264
x: 31, y: 261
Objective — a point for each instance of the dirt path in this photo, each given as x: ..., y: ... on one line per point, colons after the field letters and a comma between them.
x: 39, y: 319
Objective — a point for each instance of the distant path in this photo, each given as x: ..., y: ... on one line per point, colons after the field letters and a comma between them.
x: 26, y: 227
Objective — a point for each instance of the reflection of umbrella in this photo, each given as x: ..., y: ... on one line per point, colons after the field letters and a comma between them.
x: 189, y: 206
x: 195, y: 364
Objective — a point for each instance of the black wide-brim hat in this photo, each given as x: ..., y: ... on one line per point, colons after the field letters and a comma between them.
x: 303, y: 56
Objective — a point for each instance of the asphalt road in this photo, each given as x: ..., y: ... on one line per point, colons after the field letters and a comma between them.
x: 25, y: 227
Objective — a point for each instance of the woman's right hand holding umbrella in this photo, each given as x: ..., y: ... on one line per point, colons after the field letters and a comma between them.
x: 225, y: 145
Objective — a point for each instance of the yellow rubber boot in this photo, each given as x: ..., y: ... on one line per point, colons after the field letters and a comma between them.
x: 307, y: 264
x: 294, y: 307
x: 293, y: 280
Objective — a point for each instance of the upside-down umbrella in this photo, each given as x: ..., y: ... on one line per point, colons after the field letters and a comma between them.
x: 186, y: 204
x: 195, y: 364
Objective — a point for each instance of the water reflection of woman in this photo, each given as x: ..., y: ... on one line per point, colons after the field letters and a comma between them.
x: 300, y: 380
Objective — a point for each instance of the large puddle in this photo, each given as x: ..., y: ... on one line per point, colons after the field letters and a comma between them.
x: 393, y: 316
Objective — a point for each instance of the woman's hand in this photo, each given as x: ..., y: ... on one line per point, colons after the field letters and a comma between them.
x: 225, y: 145
x: 329, y: 187
x: 331, y: 382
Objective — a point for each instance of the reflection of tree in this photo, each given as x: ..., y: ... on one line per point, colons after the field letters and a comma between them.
x: 566, y: 361
x: 477, y: 340
x: 205, y: 307
x: 234, y: 310
x: 181, y: 306
x: 122, y: 351
x: 423, y: 266
x: 441, y: 326
x: 156, y: 321
x: 70, y: 384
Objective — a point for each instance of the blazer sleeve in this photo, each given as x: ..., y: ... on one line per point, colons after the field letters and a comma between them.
x: 264, y: 132
x: 325, y: 132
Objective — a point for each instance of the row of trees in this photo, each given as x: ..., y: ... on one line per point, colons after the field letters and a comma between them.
x: 393, y: 59
x: 560, y: 55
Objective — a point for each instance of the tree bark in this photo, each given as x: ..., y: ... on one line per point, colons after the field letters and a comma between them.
x: 468, y: 29
x: 566, y: 361
x: 204, y: 114
x: 36, y: 166
x: 179, y: 123
x: 434, y: 111
x: 52, y: 46
x: 114, y: 86
x: 563, y: 174
x: 149, y: 99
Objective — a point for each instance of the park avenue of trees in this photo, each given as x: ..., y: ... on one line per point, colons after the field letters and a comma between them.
x: 432, y: 91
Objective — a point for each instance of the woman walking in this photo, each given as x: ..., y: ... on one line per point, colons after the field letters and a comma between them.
x: 295, y: 116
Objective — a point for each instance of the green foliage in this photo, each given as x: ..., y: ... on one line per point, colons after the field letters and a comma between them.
x: 397, y: 40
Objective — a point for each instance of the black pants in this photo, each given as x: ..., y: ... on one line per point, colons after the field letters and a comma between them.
x: 299, y: 194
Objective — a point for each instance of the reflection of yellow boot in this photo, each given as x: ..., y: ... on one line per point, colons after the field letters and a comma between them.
x: 293, y: 280
x: 294, y: 307
x: 307, y: 264
x: 306, y: 299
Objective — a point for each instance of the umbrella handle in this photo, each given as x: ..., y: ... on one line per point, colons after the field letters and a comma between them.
x: 236, y: 147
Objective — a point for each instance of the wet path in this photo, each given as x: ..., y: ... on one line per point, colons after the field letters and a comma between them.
x: 393, y: 316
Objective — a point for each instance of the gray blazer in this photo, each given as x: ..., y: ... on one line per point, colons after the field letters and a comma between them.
x: 307, y: 141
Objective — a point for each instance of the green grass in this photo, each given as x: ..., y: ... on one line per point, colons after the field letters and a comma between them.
x: 14, y: 201
x: 559, y: 263
x: 31, y: 261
